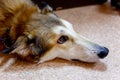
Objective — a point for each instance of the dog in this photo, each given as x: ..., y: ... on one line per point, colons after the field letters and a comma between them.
x: 29, y: 31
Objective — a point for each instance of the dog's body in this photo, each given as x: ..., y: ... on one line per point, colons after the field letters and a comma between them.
x: 27, y: 30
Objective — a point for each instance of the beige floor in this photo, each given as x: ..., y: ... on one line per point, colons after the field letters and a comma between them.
x: 98, y: 23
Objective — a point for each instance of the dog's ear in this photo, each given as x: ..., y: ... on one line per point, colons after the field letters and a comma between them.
x: 45, y: 8
x: 20, y: 47
x: 23, y: 44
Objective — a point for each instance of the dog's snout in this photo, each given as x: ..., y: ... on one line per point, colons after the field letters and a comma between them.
x: 103, y: 52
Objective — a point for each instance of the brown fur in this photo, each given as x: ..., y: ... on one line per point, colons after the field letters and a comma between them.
x: 26, y: 26
x: 14, y: 15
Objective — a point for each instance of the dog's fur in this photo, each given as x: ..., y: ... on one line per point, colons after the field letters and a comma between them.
x: 28, y: 31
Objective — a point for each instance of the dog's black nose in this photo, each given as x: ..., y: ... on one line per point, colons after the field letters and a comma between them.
x: 103, y: 52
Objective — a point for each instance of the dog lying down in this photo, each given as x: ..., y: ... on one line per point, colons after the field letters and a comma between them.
x: 28, y: 31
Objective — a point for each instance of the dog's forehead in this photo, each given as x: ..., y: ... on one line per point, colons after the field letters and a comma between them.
x: 49, y: 21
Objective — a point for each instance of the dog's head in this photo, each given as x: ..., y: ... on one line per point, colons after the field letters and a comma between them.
x: 51, y: 37
x: 65, y: 43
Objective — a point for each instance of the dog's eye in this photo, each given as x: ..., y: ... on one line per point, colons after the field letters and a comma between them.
x: 62, y: 39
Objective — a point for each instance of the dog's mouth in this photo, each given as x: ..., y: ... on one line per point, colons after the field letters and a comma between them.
x: 76, y: 60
